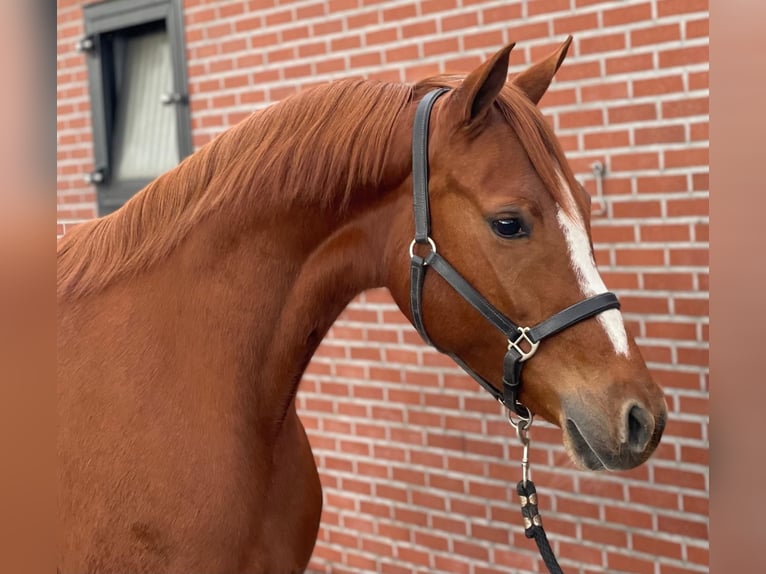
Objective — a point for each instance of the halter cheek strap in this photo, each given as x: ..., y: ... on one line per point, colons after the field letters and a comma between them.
x: 522, y: 341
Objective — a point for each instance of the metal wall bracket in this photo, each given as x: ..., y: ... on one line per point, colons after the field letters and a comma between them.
x: 86, y: 44
x: 173, y: 98
x: 599, y: 172
x: 95, y: 176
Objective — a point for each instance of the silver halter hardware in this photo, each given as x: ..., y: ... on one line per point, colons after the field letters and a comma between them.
x: 522, y: 426
x: 523, y: 337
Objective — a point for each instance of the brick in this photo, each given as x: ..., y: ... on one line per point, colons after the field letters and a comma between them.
x: 362, y: 20
x: 459, y: 21
x: 432, y: 6
x: 687, y: 206
x: 685, y: 107
x: 635, y: 209
x: 636, y: 161
x: 665, y: 233
x: 658, y: 86
x: 296, y: 33
x: 407, y: 435
x: 698, y: 28
x: 700, y: 182
x: 623, y: 563
x: 415, y: 518
x: 326, y: 553
x: 310, y: 11
x: 689, y: 257
x: 638, y: 304
x: 668, y: 281
x: 631, y: 113
x: 546, y: 6
x: 440, y: 46
x: 454, y: 526
x: 534, y: 30
x: 572, y: 71
x: 630, y: 517
x: 660, y: 134
x: 576, y: 23
x: 683, y: 56
x: 483, y: 40
x: 379, y: 547
x: 327, y: 26
x: 678, y: 526
x: 579, y: 552
x: 700, y: 131
x: 387, y: 568
x: 697, y: 357
x: 604, y: 91
x: 577, y: 507
x: 691, y: 454
x: 580, y: 118
x: 330, y: 65
x: 399, y: 13
x: 613, y: 234
x: 412, y: 555
x: 444, y: 564
x: 627, y: 14
x: 604, y: 535
x: 558, y: 97
x: 693, y: 307
x: 360, y: 562
x: 419, y: 28
x: 276, y: 18
x: 469, y: 550
x: 668, y: 330
x: 678, y: 7
x: 402, y: 53
x: 603, y: 43
x: 629, y: 64
x: 618, y: 280
x: 698, y: 555
x: 655, y: 35
x: 416, y: 73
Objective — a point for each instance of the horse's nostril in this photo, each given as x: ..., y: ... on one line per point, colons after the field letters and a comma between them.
x: 640, y: 428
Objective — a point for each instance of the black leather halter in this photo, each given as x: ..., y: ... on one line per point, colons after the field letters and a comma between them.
x: 522, y: 341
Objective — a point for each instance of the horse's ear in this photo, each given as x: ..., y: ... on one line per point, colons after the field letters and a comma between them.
x: 534, y: 81
x: 476, y: 93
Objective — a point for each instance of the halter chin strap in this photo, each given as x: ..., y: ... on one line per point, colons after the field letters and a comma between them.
x: 522, y: 341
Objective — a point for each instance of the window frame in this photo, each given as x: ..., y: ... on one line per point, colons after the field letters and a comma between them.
x: 111, y: 16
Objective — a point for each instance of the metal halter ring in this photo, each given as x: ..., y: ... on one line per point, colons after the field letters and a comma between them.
x: 414, y: 241
x: 520, y: 339
x: 521, y: 424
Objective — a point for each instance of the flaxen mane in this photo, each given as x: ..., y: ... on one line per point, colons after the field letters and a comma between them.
x: 318, y: 147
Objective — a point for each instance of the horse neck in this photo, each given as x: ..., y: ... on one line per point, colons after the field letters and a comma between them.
x: 277, y: 286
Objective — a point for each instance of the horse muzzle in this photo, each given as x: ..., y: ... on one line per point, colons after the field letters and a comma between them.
x: 619, y: 444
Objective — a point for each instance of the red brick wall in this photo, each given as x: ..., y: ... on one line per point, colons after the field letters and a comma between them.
x: 418, y: 465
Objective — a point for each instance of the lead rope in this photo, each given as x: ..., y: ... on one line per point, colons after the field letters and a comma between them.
x: 533, y: 523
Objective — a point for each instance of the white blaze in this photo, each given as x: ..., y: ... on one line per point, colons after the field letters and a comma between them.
x: 584, y: 267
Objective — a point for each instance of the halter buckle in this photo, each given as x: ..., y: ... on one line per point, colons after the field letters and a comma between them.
x: 428, y: 240
x: 523, y: 337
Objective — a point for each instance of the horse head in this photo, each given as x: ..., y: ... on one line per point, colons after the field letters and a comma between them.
x: 507, y: 213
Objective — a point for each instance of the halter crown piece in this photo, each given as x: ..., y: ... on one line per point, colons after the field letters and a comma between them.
x: 522, y: 341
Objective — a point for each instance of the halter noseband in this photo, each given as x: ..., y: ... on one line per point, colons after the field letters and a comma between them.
x: 522, y: 341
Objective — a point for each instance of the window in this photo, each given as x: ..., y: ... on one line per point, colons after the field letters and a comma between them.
x: 139, y: 107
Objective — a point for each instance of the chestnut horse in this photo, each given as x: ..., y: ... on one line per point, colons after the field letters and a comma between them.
x: 187, y: 317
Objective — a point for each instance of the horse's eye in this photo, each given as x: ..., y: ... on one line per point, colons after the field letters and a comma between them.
x: 509, y: 228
